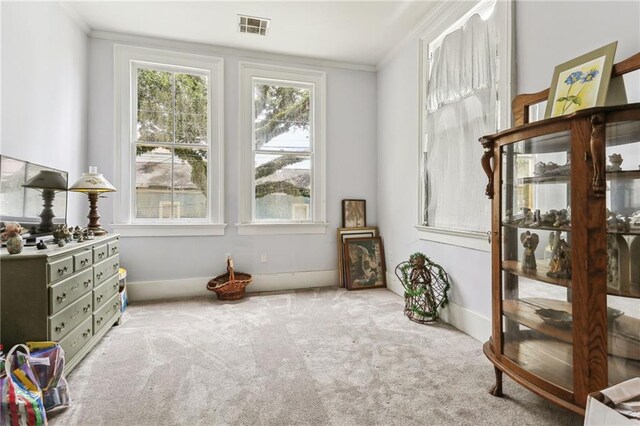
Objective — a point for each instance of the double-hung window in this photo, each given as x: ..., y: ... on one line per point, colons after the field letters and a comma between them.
x: 170, y: 143
x: 282, y: 150
x: 466, y: 78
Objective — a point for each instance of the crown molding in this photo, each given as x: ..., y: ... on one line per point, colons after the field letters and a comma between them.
x: 441, y: 12
x: 75, y: 17
x: 212, y: 49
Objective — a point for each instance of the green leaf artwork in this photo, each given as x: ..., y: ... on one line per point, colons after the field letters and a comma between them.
x: 576, y: 80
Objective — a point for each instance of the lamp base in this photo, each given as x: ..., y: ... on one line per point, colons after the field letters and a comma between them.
x: 97, y: 230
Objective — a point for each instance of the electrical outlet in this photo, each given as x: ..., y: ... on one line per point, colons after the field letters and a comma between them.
x: 263, y: 258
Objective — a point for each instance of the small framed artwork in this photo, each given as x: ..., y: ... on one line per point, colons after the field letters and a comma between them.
x: 364, y: 263
x: 348, y: 233
x: 354, y: 213
x: 582, y: 82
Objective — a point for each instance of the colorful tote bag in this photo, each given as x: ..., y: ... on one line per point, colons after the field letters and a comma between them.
x: 21, y: 402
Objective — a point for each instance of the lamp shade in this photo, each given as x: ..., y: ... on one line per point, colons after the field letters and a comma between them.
x: 92, y: 182
x: 47, y: 179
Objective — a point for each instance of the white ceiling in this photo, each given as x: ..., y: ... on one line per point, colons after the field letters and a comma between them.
x: 360, y: 32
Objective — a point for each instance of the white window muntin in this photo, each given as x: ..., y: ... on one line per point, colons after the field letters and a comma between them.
x: 135, y: 66
x: 124, y: 58
x: 306, y: 153
x: 247, y: 224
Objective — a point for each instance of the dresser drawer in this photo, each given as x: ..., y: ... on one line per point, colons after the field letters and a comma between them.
x: 75, y: 340
x: 60, y: 268
x: 67, y: 319
x: 102, y: 293
x: 105, y: 269
x: 100, y: 253
x: 66, y: 292
x: 107, y: 311
x: 113, y: 247
x: 82, y: 260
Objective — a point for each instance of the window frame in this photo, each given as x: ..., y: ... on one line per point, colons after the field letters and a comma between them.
x: 452, y: 16
x: 294, y: 77
x: 127, y: 60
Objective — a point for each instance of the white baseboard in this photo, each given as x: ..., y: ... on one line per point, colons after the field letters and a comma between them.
x: 189, y: 287
x: 465, y: 320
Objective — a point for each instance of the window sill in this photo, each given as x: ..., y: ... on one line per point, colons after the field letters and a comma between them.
x: 282, y: 228
x: 467, y: 239
x: 169, y: 229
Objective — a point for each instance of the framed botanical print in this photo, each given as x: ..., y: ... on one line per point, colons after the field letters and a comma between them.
x: 364, y: 262
x: 582, y: 82
x: 354, y: 213
x: 348, y: 233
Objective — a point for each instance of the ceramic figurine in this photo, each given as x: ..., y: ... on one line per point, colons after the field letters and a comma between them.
x: 560, y: 263
x: 616, y: 162
x: 41, y: 245
x: 61, y: 243
x: 529, y: 242
x: 61, y: 233
x: 12, y: 236
x: 613, y: 278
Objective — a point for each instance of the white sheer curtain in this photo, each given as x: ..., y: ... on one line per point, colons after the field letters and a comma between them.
x: 461, y: 107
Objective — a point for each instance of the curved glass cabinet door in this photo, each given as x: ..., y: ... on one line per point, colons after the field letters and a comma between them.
x: 536, y: 257
x: 623, y: 250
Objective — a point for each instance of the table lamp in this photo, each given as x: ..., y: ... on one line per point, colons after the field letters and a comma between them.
x: 48, y: 181
x: 93, y: 183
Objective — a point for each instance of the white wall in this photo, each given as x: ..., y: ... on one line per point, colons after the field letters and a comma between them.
x: 44, y: 91
x: 351, y: 173
x: 542, y: 41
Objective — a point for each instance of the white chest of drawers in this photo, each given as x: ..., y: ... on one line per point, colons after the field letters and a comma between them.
x: 67, y: 294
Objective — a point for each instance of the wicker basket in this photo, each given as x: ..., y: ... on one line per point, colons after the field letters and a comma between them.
x: 229, y: 286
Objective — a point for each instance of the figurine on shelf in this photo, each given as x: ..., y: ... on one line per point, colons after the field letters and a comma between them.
x: 61, y: 233
x: 616, y: 162
x: 634, y: 220
x: 528, y: 219
x: 529, y: 242
x: 41, y: 245
x: 537, y: 219
x: 560, y: 263
x: 613, y: 276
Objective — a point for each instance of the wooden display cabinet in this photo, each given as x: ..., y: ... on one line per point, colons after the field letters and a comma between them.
x: 566, y: 249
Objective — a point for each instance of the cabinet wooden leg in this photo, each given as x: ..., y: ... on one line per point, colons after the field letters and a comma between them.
x: 496, y: 390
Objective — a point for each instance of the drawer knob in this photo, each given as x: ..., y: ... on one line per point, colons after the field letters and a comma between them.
x: 73, y: 287
x: 115, y: 266
x: 75, y: 342
x: 86, y: 308
x: 60, y: 327
x: 62, y: 297
x: 86, y: 283
x: 83, y: 262
x: 100, y: 255
x: 99, y: 298
x: 99, y: 320
x: 62, y: 270
x: 99, y: 275
x: 86, y: 333
x: 114, y: 249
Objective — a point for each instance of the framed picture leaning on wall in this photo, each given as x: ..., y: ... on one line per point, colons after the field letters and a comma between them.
x: 345, y: 234
x: 354, y: 213
x: 364, y: 262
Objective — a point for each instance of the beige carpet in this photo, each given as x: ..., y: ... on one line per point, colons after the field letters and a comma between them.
x: 304, y: 358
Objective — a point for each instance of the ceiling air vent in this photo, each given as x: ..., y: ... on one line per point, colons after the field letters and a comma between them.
x: 253, y: 25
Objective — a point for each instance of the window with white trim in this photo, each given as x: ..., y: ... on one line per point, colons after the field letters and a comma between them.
x: 282, y: 146
x: 465, y: 72
x: 170, y: 145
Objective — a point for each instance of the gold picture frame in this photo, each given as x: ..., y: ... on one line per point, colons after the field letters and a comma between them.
x: 581, y: 83
x: 344, y: 234
x: 364, y: 263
